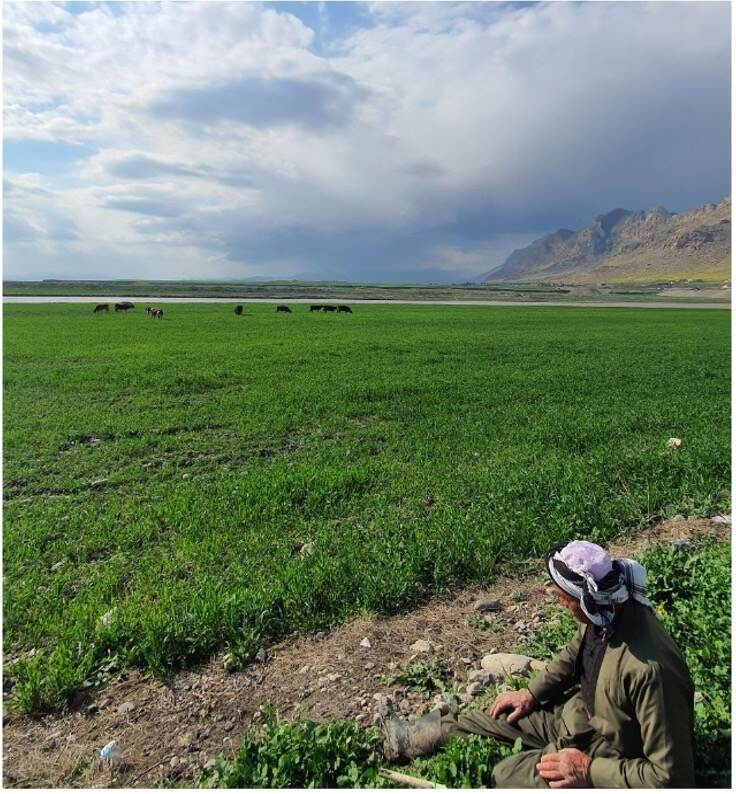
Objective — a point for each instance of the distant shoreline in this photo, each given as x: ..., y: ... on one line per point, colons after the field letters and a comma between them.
x: 367, y: 301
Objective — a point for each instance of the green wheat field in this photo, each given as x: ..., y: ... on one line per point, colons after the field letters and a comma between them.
x: 162, y: 477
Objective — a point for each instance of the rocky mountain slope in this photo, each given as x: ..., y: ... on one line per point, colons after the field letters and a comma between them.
x: 624, y: 246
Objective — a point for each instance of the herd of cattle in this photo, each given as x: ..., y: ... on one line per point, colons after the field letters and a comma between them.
x: 153, y: 311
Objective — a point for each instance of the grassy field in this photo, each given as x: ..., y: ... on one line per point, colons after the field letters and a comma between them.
x: 161, y: 477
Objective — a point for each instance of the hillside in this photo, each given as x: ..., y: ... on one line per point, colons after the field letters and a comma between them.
x: 636, y: 247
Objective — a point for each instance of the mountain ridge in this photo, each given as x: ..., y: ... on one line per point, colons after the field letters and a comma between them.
x: 629, y: 246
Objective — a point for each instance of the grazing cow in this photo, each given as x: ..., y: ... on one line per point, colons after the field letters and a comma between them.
x: 238, y: 310
x: 101, y: 307
x: 148, y: 310
x: 329, y: 308
x: 125, y: 306
x: 315, y: 308
x: 158, y: 313
x: 282, y: 308
x: 346, y: 309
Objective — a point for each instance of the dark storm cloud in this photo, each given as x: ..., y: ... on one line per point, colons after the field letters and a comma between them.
x: 318, y: 102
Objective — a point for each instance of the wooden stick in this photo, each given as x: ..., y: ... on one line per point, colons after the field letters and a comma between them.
x: 407, y: 780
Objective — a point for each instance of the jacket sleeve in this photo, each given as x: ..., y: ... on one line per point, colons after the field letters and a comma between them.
x: 561, y: 672
x: 666, y: 734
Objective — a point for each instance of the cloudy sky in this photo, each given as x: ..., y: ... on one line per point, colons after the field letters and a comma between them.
x: 358, y: 141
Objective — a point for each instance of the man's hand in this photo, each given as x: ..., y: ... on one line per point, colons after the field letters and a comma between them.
x: 519, y: 703
x: 566, y: 768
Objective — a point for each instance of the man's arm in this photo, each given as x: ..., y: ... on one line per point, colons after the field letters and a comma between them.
x: 664, y: 716
x: 560, y: 674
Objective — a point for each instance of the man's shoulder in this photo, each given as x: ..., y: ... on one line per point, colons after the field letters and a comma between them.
x: 645, y: 648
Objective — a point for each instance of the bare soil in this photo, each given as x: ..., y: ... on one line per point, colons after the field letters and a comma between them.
x: 170, y: 732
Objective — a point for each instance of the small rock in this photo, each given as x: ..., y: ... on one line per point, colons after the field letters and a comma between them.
x: 466, y: 660
x: 107, y: 618
x: 369, y: 665
x: 474, y: 688
x: 385, y: 705
x: 332, y: 677
x: 680, y: 545
x: 174, y: 763
x: 365, y: 643
x: 55, y: 567
x: 127, y: 707
x: 674, y: 443
x: 227, y: 726
x: 304, y: 670
x: 484, y: 677
x: 487, y: 605
x: 721, y: 520
x: 503, y: 665
x: 422, y: 646
x: 261, y: 656
x: 678, y: 519
x: 307, y: 549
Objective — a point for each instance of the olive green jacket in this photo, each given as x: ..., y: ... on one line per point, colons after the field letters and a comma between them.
x: 643, y: 723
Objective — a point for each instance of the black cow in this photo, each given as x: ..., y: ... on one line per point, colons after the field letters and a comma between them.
x: 238, y: 310
x: 281, y: 308
x: 125, y: 306
x: 329, y: 308
x: 315, y: 308
x: 346, y: 309
x: 101, y: 307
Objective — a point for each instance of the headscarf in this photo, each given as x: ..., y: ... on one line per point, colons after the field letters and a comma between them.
x: 588, y: 573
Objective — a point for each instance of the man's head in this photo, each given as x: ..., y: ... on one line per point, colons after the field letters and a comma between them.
x: 590, y: 584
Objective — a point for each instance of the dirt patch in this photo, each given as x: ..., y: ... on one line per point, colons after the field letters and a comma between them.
x: 172, y: 731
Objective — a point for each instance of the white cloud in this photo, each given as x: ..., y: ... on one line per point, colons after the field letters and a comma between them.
x: 423, y: 139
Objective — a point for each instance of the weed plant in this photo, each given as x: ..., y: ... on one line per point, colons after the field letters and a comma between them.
x: 424, y: 675
x: 162, y: 477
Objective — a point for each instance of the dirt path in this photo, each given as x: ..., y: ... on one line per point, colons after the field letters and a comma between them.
x: 174, y: 730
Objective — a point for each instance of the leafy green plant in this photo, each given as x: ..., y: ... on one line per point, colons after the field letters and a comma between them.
x: 485, y: 623
x: 547, y: 641
x: 424, y: 675
x: 465, y: 763
x: 692, y: 590
x: 302, y: 755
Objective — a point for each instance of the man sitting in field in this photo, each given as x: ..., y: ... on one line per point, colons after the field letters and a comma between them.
x: 630, y: 725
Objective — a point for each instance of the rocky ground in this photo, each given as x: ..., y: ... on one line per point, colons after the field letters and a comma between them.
x: 170, y: 732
